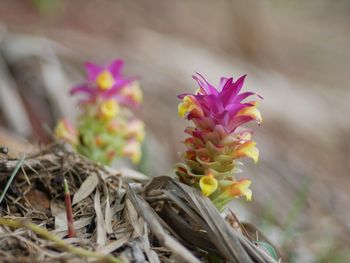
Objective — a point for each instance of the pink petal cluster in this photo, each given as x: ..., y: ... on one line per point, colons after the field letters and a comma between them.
x: 107, y: 82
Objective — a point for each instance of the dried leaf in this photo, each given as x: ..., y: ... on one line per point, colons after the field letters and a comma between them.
x: 101, y: 226
x: 152, y: 256
x: 108, y: 216
x: 87, y: 187
x: 38, y: 199
x: 133, y: 217
x: 133, y: 175
x: 56, y: 207
x: 61, y: 221
x: 114, y: 245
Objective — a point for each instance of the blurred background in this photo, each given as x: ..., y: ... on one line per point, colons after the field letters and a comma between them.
x: 296, y: 55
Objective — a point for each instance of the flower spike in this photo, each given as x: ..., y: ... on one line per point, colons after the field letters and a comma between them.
x: 217, y: 140
x: 106, y: 128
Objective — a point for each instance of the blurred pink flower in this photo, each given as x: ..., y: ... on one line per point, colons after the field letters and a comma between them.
x: 107, y: 82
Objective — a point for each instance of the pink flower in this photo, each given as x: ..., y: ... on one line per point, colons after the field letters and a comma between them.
x: 217, y: 139
x: 107, y: 82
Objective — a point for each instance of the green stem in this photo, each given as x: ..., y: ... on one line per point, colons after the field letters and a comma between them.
x: 220, y: 202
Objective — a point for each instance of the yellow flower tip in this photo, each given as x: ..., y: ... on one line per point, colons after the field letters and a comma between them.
x: 140, y: 136
x: 136, y: 158
x: 208, y: 184
x: 109, y: 109
x: 252, y: 112
x: 133, y: 91
x: 189, y: 104
x: 248, y: 149
x: 248, y: 195
x: 182, y: 109
x: 240, y: 188
x: 243, y: 186
x: 255, y: 113
x: 105, y: 80
x: 65, y: 130
x: 137, y: 92
x: 133, y: 151
x: 136, y: 129
x: 60, y: 130
x: 244, y: 136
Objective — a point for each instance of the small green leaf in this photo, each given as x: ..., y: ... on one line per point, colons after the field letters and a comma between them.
x: 268, y: 249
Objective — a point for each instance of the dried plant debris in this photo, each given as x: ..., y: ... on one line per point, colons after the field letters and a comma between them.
x: 118, y: 217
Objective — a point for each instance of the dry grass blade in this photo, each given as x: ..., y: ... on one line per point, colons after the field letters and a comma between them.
x: 133, y: 217
x: 152, y: 256
x: 108, y: 216
x: 114, y: 245
x: 150, y: 217
x: 128, y: 173
x: 101, y: 227
x: 78, y: 224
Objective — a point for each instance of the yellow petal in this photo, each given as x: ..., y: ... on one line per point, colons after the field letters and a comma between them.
x: 66, y: 131
x: 248, y: 149
x: 133, y: 150
x: 60, y: 130
x: 189, y: 104
x: 136, y: 129
x: 182, y: 109
x: 248, y: 194
x: 243, y: 186
x: 135, y: 158
x: 252, y: 111
x: 109, y: 109
x: 133, y: 91
x: 245, y: 136
x: 240, y: 188
x: 105, y: 80
x: 208, y: 184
